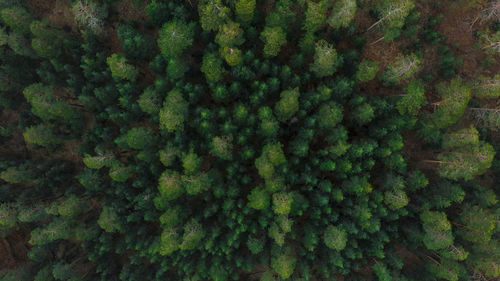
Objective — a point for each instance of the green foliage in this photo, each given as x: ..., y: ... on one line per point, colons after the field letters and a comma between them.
x: 315, y: 15
x: 342, y: 14
x: 120, y: 173
x: 258, y: 199
x: 381, y: 271
x: 169, y: 241
x: 140, y: 138
x: 229, y: 35
x: 454, y: 99
x: 17, y: 175
x: 363, y: 113
x: 281, y: 162
x: 193, y: 234
x: 41, y: 135
x: 335, y: 238
x: 325, y: 59
x: 413, y: 100
x: 17, y: 18
x: 392, y: 15
x: 134, y: 44
x: 97, y: 162
x: 487, y: 88
x: 478, y: 224
x: 329, y: 115
x: 437, y: 229
x: 283, y: 263
x: 90, y: 14
x: 282, y: 203
x: 404, y: 68
x: 466, y: 155
x: 109, y: 220
x: 174, y: 112
x: 170, y: 185
x: 288, y: 105
x: 8, y: 216
x: 222, y: 147
x: 149, y: 101
x: 212, y: 67
x: 45, y: 104
x: 255, y: 245
x: 121, y: 69
x: 367, y: 70
x: 57, y: 229
x: 274, y: 38
x: 212, y: 13
x: 244, y: 10
x: 174, y: 38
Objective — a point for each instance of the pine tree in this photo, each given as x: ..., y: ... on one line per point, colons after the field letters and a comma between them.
x: 404, y: 68
x: 487, y: 88
x: 315, y: 15
x: 230, y: 35
x: 329, y: 115
x: 140, y: 138
x: 342, y: 13
x: 283, y: 263
x: 367, y: 70
x: 109, y: 220
x: 212, y: 67
x: 413, y: 100
x: 325, y: 59
x: 42, y: 135
x: 173, y: 112
x: 282, y: 203
x: 288, y: 105
x: 274, y: 38
x: 212, y: 13
x: 244, y: 10
x: 174, y: 37
x: 121, y: 69
x: 222, y: 147
x: 193, y: 234
x: 170, y: 185
x: 392, y: 15
x: 90, y: 14
x: 335, y: 238
x: 17, y: 18
x: 258, y: 199
x: 149, y: 101
x: 455, y: 98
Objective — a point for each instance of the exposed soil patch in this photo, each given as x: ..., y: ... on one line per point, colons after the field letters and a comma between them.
x: 14, y: 250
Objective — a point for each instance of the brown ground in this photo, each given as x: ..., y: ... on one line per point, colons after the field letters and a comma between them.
x: 13, y: 250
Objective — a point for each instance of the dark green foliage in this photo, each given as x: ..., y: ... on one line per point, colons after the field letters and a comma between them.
x: 134, y: 44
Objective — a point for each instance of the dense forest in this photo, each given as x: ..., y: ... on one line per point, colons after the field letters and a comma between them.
x: 192, y: 140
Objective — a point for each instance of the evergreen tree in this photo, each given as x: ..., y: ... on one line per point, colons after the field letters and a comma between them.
x: 274, y: 38
x: 342, y: 13
x: 335, y: 238
x: 212, y: 13
x: 288, y: 105
x: 174, y: 112
x: 121, y: 69
x: 413, y: 100
x: 42, y: 135
x: 212, y: 67
x: 367, y: 70
x: 325, y: 59
x: 174, y: 38
x: 244, y: 10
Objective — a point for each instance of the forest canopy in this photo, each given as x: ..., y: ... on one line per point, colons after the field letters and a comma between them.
x: 249, y: 140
